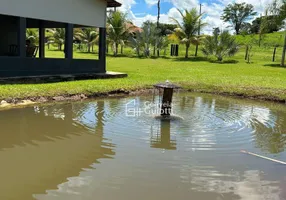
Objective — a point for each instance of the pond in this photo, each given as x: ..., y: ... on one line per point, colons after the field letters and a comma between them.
x: 115, y: 149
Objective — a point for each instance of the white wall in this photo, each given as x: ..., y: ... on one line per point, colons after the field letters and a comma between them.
x: 81, y: 12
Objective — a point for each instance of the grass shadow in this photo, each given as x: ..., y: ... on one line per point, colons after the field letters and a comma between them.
x: 194, y: 59
x: 85, y: 52
x: 120, y: 56
x: 162, y: 57
x: 273, y: 65
x: 56, y: 50
x: 107, y: 54
x: 224, y: 62
x: 142, y: 57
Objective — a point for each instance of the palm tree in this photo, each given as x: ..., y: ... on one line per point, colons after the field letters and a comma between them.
x: 58, y: 36
x: 220, y: 45
x: 162, y: 44
x: 32, y: 35
x: 149, y: 35
x: 136, y: 42
x: 86, y: 35
x: 188, y: 29
x: 117, y: 28
x: 145, y: 37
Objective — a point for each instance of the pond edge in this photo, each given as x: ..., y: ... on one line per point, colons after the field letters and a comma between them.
x: 22, y: 102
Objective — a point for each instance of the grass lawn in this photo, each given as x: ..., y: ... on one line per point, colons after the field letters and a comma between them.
x: 262, y: 78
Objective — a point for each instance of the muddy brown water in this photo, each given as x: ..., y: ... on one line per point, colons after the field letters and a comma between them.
x: 115, y: 149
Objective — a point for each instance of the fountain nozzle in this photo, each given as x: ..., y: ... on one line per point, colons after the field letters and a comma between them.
x: 168, y: 90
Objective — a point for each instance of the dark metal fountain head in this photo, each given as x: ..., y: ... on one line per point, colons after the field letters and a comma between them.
x: 166, y: 105
x: 167, y: 85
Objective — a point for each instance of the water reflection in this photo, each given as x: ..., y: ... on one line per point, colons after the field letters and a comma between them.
x: 43, y: 146
x: 248, y: 185
x: 57, y: 151
x: 211, y: 115
x: 162, y: 138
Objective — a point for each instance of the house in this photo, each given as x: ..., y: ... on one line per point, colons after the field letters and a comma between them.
x: 18, y: 15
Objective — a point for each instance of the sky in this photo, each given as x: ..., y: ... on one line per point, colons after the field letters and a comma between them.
x: 142, y: 10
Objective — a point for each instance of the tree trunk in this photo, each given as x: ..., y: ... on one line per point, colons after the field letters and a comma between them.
x: 116, y: 49
x: 158, y: 16
x: 92, y: 47
x: 237, y: 29
x: 199, y: 32
x: 60, y: 47
x: 284, y: 51
x: 197, y: 48
x: 249, y: 54
x: 165, y: 51
x: 274, y: 54
x: 158, y: 27
x: 154, y: 50
x: 246, y: 52
x: 121, y: 49
x: 187, y: 51
x: 88, y: 48
x: 107, y: 45
x: 259, y: 40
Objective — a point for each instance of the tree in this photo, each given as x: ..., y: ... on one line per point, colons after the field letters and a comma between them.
x: 163, y: 44
x: 58, y: 36
x: 32, y: 35
x: 118, y: 29
x: 136, y: 42
x: 237, y: 14
x: 188, y: 29
x: 149, y: 37
x: 272, y: 25
x: 278, y: 10
x: 166, y: 29
x: 245, y: 29
x: 220, y: 45
x: 86, y: 35
x: 145, y: 38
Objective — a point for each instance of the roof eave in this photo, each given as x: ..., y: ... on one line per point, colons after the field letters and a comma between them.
x: 113, y: 3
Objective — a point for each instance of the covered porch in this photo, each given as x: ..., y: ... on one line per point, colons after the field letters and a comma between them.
x: 15, y: 61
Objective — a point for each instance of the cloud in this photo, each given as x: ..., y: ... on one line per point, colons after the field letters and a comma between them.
x: 259, y: 5
x: 185, y: 4
x: 140, y: 14
x: 126, y: 7
x: 213, y: 10
x: 151, y: 2
x: 212, y: 14
x: 164, y: 18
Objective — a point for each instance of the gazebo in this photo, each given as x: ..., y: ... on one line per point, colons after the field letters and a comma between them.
x: 18, y: 15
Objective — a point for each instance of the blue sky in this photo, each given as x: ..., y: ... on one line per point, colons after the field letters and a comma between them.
x: 141, y: 10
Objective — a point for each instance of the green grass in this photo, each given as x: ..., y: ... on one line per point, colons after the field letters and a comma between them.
x: 262, y: 78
